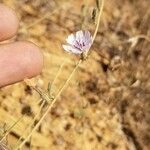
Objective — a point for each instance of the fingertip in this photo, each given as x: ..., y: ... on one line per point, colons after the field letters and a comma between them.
x: 33, y: 58
x: 18, y: 61
x: 9, y: 22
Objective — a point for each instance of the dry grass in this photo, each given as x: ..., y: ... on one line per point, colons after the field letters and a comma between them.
x: 106, y: 105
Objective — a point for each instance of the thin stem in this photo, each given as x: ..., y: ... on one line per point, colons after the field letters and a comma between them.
x: 65, y: 84
x: 42, y: 18
x: 3, y: 146
x: 15, y: 123
x: 45, y: 95
x: 9, y: 129
x: 142, y: 36
x: 84, y: 13
x: 98, y: 20
x: 28, y: 127
x: 51, y: 105
x: 58, y: 73
x: 42, y: 93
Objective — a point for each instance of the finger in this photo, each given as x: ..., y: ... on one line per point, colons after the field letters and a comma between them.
x: 8, y: 23
x: 18, y: 61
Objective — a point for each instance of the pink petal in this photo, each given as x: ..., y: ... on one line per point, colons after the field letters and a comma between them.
x: 71, y: 49
x: 80, y: 36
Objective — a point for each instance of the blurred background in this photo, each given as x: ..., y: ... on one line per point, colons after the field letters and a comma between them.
x: 106, y: 105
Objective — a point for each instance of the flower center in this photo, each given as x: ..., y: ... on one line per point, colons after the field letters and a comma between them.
x: 79, y: 45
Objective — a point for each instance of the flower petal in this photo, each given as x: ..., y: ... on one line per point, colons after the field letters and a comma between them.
x: 87, y: 34
x: 71, y: 49
x: 71, y: 39
x: 87, y: 37
x: 79, y: 36
x: 79, y: 42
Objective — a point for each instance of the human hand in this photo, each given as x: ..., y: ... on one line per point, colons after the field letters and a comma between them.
x: 18, y: 60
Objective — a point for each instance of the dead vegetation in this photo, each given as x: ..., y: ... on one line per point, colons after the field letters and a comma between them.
x: 106, y: 106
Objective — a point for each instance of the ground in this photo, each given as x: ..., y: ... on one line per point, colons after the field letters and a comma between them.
x: 106, y: 105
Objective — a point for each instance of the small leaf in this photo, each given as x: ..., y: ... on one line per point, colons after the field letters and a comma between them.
x: 49, y: 87
x: 49, y: 92
x: 94, y: 13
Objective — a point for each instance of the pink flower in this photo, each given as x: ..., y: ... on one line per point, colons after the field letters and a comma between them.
x: 79, y: 42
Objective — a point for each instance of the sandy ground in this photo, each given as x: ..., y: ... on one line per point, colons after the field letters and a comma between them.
x: 106, y: 105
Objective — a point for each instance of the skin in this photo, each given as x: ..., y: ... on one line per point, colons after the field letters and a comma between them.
x: 18, y: 60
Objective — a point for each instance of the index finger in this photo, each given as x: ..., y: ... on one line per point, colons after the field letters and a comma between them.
x: 18, y: 61
x: 8, y: 23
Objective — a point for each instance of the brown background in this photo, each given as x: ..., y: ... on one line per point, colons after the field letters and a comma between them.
x: 106, y: 105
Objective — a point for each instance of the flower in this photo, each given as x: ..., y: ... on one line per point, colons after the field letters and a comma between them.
x: 79, y: 42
